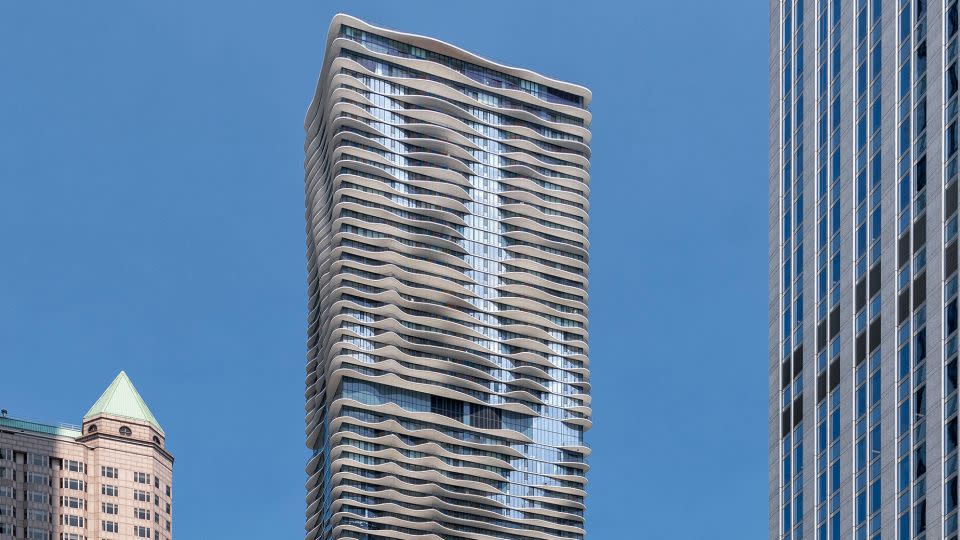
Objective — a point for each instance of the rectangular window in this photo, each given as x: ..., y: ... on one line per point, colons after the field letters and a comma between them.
x: 37, y: 534
x: 38, y: 459
x: 109, y: 508
x: 34, y: 514
x: 141, y: 478
x: 38, y: 479
x: 72, y: 502
x: 71, y: 520
x: 38, y: 497
x: 141, y: 513
x: 141, y: 532
x: 6, y: 510
x: 74, y: 466
x: 71, y: 536
x: 73, y: 483
x: 7, y: 491
x: 110, y: 526
x: 109, y: 472
x: 6, y: 529
x: 142, y: 496
x: 6, y: 454
x: 110, y: 491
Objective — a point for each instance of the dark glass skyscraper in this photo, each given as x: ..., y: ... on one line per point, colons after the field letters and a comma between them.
x: 447, y: 388
x: 863, y: 269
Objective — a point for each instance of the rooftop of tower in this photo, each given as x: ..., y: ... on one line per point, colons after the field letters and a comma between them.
x: 58, y: 430
x: 443, y: 48
x: 122, y: 399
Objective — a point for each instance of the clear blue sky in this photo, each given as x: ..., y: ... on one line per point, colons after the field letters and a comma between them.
x: 151, y: 219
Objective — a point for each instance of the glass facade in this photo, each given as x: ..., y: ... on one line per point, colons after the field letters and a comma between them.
x: 883, y: 232
x: 447, y: 388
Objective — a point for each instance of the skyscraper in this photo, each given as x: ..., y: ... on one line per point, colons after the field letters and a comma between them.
x: 447, y: 388
x: 109, y: 478
x: 863, y: 269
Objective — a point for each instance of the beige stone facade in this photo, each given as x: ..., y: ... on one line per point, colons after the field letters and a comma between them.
x: 111, y: 478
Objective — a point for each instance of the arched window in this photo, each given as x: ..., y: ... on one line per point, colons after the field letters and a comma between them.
x: 92, y: 428
x: 125, y: 431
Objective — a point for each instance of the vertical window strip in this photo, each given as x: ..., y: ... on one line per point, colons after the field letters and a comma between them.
x: 915, y: 165
x: 949, y: 447
x: 905, y: 349
x: 792, y: 271
x: 828, y: 270
x: 867, y: 329
x: 787, y: 228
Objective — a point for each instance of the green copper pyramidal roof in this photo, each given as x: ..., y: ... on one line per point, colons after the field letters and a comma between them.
x: 122, y: 399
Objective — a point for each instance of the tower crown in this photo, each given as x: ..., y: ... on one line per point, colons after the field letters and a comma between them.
x: 121, y: 399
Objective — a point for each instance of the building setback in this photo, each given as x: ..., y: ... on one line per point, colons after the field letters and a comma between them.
x: 109, y: 479
x: 447, y: 388
x: 863, y: 269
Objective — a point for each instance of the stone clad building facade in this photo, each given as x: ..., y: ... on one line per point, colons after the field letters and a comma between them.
x: 109, y: 479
